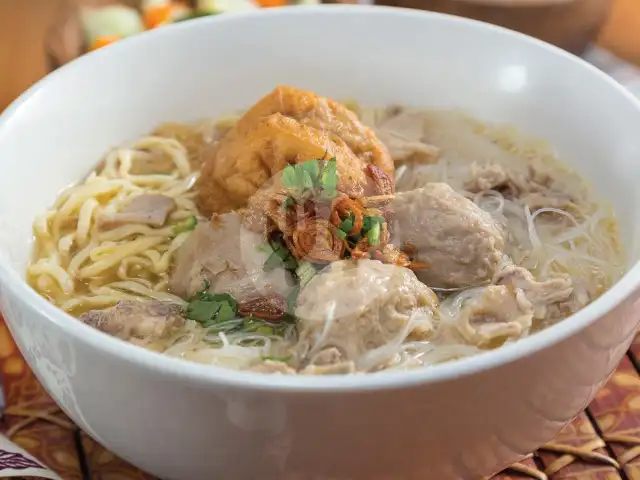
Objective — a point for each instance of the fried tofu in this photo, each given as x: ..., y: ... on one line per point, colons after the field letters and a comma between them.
x: 285, y: 127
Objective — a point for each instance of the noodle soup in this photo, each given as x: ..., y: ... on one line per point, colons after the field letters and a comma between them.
x: 307, y: 236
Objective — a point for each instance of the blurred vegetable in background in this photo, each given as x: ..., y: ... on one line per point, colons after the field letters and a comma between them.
x: 103, y: 25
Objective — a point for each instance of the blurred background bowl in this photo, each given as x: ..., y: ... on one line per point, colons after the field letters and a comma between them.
x: 569, y: 24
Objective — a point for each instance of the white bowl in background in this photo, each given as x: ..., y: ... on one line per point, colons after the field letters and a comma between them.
x: 185, y: 421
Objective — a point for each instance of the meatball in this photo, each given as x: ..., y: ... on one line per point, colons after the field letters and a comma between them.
x: 361, y: 312
x: 460, y: 244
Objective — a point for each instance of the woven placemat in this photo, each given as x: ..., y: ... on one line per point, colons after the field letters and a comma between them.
x: 602, y: 443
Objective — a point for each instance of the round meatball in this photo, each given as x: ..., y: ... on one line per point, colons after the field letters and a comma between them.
x: 459, y: 244
x: 361, y: 312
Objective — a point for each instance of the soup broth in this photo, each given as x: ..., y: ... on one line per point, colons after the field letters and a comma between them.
x: 306, y: 236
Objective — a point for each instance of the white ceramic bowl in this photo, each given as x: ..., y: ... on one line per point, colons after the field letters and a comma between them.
x: 186, y: 421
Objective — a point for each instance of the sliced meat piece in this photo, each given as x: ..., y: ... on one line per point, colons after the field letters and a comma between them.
x: 487, y: 177
x: 151, y: 162
x: 540, y: 294
x: 289, y: 126
x: 361, y: 312
x: 495, y: 314
x: 578, y: 299
x: 272, y: 366
x: 403, y: 134
x: 207, y: 245
x: 548, y: 199
x: 531, y: 187
x: 229, y: 257
x: 344, y: 368
x: 144, y: 319
x: 461, y: 244
x: 329, y: 362
x: 148, y: 209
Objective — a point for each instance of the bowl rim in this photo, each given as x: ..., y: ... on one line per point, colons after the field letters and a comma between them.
x: 207, y: 375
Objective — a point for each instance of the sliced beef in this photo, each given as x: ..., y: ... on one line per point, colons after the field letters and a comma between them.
x: 402, y: 131
x: 531, y: 187
x: 151, y: 162
x: 343, y: 368
x: 547, y: 199
x: 144, y: 319
x: 230, y: 258
x: 578, y: 299
x: 461, y: 244
x: 541, y: 294
x: 496, y: 313
x: 488, y: 177
x: 329, y: 361
x: 272, y: 366
x: 148, y: 209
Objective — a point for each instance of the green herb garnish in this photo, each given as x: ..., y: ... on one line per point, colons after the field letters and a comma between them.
x: 369, y: 222
x: 288, y: 318
x: 292, y: 299
x: 218, y: 313
x: 287, y: 203
x: 312, y: 168
x: 277, y: 359
x: 347, y: 223
x: 203, y: 312
x: 290, y: 177
x: 279, y: 257
x: 373, y: 235
x: 229, y: 326
x: 187, y: 226
x: 330, y: 177
x: 226, y: 312
x: 265, y: 247
x: 303, y: 178
x: 209, y: 309
x: 306, y: 180
x: 274, y: 261
x: 257, y: 325
x: 305, y: 272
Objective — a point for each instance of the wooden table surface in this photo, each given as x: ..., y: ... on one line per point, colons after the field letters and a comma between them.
x: 24, y: 23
